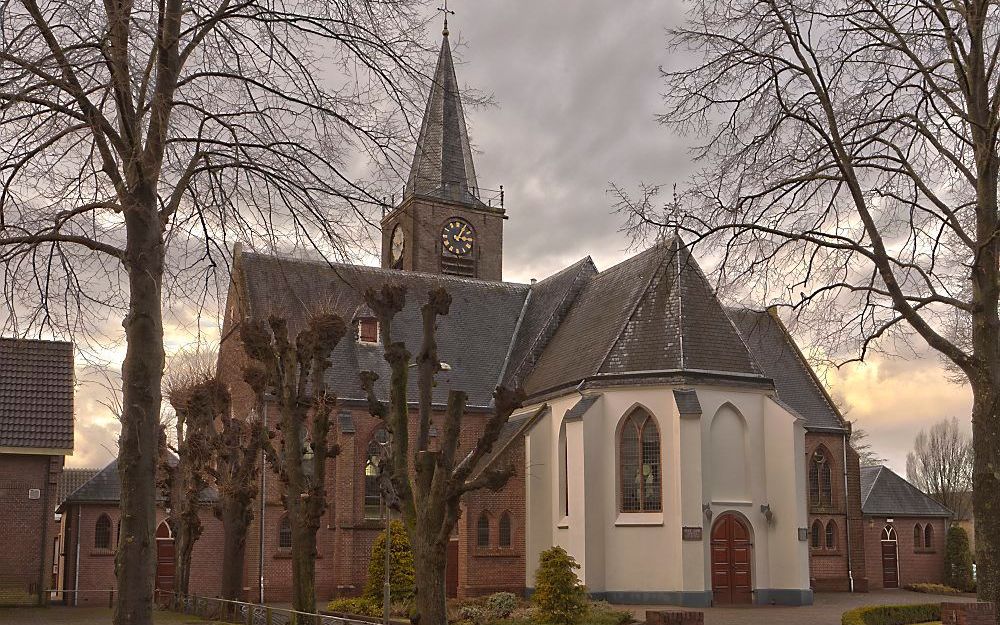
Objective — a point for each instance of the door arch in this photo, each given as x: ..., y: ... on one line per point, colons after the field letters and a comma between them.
x: 732, y: 560
x: 164, y: 558
x: 890, y: 558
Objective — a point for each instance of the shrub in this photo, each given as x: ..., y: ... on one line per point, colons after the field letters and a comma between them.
x: 496, y: 607
x: 501, y: 604
x: 958, y: 561
x: 401, y: 578
x: 892, y: 614
x: 559, y: 597
x: 360, y: 606
x: 934, y: 589
x: 603, y: 613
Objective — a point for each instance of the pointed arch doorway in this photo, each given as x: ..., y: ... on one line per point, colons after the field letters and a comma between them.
x: 732, y: 561
x: 890, y: 558
x: 164, y: 558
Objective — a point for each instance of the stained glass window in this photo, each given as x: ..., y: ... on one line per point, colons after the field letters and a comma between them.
x: 639, y: 458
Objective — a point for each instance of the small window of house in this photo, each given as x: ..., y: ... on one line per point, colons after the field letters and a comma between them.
x: 285, y: 534
x: 102, y: 532
x: 483, y: 531
x: 368, y: 330
x: 928, y: 537
x: 831, y: 535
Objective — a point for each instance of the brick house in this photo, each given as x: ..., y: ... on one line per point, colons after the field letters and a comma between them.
x: 905, y: 531
x: 36, y: 433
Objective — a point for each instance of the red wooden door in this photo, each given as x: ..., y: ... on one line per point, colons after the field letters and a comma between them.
x: 731, y: 561
x: 451, y: 570
x: 890, y: 564
x: 164, y: 558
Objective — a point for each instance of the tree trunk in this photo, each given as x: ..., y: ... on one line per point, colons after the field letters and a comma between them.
x: 234, y: 551
x: 142, y: 372
x: 183, y: 549
x: 986, y: 487
x: 430, y: 560
x: 303, y: 567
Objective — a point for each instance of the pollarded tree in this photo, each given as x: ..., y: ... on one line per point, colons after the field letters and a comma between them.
x: 850, y: 170
x: 130, y: 129
x: 295, y: 374
x: 429, y: 496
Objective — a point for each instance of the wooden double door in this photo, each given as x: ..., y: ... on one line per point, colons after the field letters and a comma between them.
x: 732, y: 561
x: 164, y: 558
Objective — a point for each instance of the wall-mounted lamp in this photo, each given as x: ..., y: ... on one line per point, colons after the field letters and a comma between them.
x: 707, y: 509
x: 765, y: 509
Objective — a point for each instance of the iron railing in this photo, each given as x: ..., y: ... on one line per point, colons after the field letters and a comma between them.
x: 243, y: 612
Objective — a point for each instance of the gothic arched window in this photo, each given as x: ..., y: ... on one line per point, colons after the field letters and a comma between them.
x: 102, y: 532
x: 820, y: 478
x: 831, y: 535
x: 918, y: 537
x: 505, y: 530
x: 815, y: 535
x: 373, y: 459
x: 483, y: 531
x: 285, y: 533
x: 639, y: 463
x: 928, y: 537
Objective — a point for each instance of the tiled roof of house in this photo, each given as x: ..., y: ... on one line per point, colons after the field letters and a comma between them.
x: 36, y: 394
x: 72, y: 479
x: 794, y: 380
x: 883, y: 493
x: 106, y: 487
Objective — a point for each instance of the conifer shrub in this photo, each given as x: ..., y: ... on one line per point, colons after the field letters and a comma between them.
x: 559, y: 597
x: 892, y: 614
x: 401, y: 576
x: 958, y: 561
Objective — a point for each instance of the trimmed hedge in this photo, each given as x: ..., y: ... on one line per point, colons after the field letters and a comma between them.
x: 892, y: 614
x: 934, y: 589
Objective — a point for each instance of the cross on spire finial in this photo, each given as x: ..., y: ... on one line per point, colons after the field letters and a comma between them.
x: 445, y: 10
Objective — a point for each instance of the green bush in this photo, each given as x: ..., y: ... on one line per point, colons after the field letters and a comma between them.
x: 958, y: 561
x: 934, y: 589
x: 892, y: 614
x: 360, y: 606
x: 559, y: 598
x: 401, y: 578
x: 603, y: 613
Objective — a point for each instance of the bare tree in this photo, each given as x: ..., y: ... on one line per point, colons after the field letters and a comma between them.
x: 137, y: 139
x: 941, y: 465
x: 849, y: 170
x: 429, y: 496
x: 295, y: 373
x: 862, y: 445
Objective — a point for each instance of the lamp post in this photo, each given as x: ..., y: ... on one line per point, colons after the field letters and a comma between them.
x: 387, y: 516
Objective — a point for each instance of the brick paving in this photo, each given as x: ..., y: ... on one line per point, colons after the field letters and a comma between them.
x: 826, y: 610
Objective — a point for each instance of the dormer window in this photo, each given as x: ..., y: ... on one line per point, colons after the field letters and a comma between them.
x: 368, y: 330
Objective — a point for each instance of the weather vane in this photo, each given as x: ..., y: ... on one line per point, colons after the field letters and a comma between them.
x: 445, y: 10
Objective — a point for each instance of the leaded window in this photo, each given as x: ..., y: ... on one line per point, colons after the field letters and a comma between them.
x: 102, y: 532
x: 504, y: 530
x: 285, y: 533
x: 820, y: 479
x: 815, y: 535
x: 639, y: 463
x: 928, y: 537
x: 373, y: 462
x: 483, y: 531
x: 831, y: 535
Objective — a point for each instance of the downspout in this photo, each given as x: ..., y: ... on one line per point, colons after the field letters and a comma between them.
x: 76, y: 580
x: 847, y: 513
x: 263, y: 503
x: 43, y: 574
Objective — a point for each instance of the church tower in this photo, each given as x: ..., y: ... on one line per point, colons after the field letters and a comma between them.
x: 442, y: 225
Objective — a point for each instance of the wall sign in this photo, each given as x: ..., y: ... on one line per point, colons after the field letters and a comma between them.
x: 691, y: 533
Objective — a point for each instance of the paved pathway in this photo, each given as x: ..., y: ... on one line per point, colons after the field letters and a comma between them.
x: 826, y: 609
x: 60, y: 615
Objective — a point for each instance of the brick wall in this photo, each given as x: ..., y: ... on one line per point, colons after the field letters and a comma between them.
x: 916, y: 564
x: 26, y: 557
x: 828, y: 567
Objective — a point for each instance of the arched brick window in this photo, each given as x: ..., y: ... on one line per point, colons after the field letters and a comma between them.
x: 639, y: 463
x: 505, y: 530
x: 285, y: 533
x: 820, y: 478
x: 815, y: 535
x: 831, y: 535
x: 102, y: 532
x: 918, y: 537
x: 928, y: 537
x: 483, y: 531
x: 373, y: 495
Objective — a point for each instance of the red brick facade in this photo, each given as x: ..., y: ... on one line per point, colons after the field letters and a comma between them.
x: 916, y: 563
x: 27, y: 502
x: 828, y: 564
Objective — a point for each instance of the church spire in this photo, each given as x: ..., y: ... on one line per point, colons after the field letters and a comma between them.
x: 442, y: 162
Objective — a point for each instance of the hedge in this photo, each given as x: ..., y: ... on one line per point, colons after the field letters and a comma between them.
x: 892, y: 614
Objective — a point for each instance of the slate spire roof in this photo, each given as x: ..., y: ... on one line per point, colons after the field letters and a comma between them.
x: 442, y: 161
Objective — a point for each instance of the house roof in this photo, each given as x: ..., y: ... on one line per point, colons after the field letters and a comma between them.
x: 36, y: 394
x: 884, y: 493
x: 442, y: 165
x: 106, y: 487
x: 652, y: 312
x: 794, y: 380
x: 70, y: 480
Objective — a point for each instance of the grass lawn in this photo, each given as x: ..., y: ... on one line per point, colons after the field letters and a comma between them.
x: 84, y: 616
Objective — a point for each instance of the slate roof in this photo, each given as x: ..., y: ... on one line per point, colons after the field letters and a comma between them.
x: 794, y: 380
x: 474, y: 338
x: 652, y: 312
x: 70, y: 480
x: 106, y: 487
x: 442, y: 165
x: 687, y: 402
x: 581, y: 407
x: 883, y: 493
x: 36, y: 394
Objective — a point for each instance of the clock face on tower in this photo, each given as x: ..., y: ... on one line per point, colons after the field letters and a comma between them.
x: 396, y: 247
x: 457, y: 237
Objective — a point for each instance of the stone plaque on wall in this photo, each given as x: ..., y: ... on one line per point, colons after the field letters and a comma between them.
x: 803, y: 534
x: 691, y: 533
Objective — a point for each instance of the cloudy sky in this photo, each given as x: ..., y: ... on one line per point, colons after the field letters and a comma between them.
x: 577, y: 88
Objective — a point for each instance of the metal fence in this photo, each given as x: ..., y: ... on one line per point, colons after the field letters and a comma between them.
x: 245, y: 613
